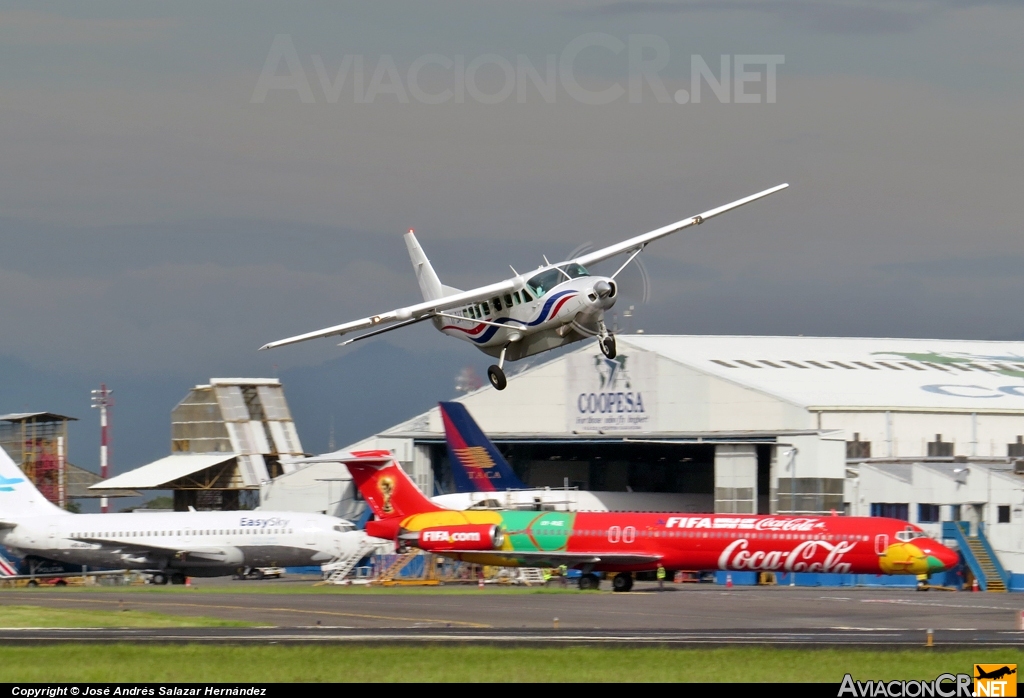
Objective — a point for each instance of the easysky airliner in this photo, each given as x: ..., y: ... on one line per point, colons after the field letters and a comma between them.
x: 170, y: 545
x: 625, y: 543
x: 557, y: 304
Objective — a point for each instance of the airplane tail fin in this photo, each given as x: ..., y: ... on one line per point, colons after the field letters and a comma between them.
x: 385, y: 486
x: 18, y: 496
x: 477, y: 465
x: 430, y: 285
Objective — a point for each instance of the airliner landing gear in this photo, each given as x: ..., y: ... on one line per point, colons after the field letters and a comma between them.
x: 495, y: 374
x: 623, y: 581
x: 177, y: 578
x: 590, y: 581
x: 158, y: 578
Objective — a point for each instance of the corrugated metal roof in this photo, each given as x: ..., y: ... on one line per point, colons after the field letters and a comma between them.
x: 45, y: 416
x: 858, y: 373
x: 163, y: 471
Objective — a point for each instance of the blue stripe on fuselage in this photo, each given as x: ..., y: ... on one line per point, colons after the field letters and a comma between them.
x: 492, y: 330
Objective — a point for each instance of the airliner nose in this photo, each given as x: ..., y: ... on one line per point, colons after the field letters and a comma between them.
x: 939, y: 556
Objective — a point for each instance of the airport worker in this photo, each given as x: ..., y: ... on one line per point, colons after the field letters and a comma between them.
x: 563, y: 572
x: 661, y: 577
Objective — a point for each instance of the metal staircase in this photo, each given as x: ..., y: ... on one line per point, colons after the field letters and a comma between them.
x: 532, y: 576
x: 388, y: 575
x: 339, y: 568
x: 978, y: 554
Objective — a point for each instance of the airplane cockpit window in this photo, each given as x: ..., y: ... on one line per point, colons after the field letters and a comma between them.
x: 526, y: 296
x: 909, y: 534
x: 545, y: 281
x: 574, y: 270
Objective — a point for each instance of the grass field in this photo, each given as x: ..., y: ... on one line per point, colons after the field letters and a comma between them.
x: 129, y: 663
x: 40, y: 617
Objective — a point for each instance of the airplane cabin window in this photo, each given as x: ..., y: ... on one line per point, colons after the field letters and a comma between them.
x: 497, y: 303
x: 526, y: 296
x: 485, y: 307
x: 508, y: 300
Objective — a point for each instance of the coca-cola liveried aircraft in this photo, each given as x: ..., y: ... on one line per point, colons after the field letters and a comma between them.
x: 627, y: 542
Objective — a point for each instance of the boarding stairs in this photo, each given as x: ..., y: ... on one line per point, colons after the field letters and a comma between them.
x: 396, y: 567
x: 339, y: 568
x: 978, y: 554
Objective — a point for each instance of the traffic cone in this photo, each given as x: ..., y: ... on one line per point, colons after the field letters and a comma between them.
x: 974, y: 585
x: 480, y: 582
x: 728, y: 581
x: 188, y: 581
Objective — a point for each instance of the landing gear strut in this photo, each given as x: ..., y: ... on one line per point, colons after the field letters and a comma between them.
x: 623, y: 581
x: 495, y: 374
x: 590, y: 581
x: 605, y: 340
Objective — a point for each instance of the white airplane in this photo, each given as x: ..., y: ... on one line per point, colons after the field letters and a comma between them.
x: 170, y: 545
x: 557, y: 304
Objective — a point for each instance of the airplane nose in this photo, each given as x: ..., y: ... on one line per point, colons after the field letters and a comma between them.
x: 940, y: 557
x: 603, y: 288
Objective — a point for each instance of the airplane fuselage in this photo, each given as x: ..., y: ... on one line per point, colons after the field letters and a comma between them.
x: 778, y: 543
x: 192, y: 543
x: 545, y: 311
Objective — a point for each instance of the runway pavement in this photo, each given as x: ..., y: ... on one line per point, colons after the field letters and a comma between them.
x: 683, y: 612
x: 810, y: 638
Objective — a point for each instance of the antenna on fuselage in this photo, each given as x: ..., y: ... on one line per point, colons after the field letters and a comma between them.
x: 513, y: 270
x: 545, y: 258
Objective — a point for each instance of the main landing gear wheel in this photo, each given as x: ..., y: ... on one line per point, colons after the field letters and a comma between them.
x: 158, y: 578
x: 608, y: 346
x: 497, y: 377
x: 623, y: 581
x: 590, y: 581
x: 177, y: 578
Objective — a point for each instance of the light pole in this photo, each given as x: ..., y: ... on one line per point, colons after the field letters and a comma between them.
x: 102, y: 399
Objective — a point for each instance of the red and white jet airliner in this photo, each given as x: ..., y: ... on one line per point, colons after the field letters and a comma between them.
x: 625, y: 542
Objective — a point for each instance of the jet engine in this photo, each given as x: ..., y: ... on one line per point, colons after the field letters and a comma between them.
x: 469, y: 537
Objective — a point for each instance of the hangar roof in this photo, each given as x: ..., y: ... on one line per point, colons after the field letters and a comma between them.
x: 840, y: 373
x: 164, y: 471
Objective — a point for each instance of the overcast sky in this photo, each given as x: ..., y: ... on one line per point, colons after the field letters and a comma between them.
x: 183, y: 182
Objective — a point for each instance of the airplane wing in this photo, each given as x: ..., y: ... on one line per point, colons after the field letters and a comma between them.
x: 407, y: 315
x: 209, y: 554
x: 640, y: 241
x: 557, y: 558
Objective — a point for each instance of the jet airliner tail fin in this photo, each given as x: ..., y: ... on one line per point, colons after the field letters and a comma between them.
x: 385, y: 486
x: 18, y: 496
x: 477, y: 465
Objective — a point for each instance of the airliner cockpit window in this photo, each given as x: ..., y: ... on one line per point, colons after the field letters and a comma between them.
x: 909, y: 534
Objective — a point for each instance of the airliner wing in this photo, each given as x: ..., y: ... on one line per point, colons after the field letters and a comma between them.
x: 640, y: 241
x: 210, y: 554
x: 407, y: 315
x: 557, y: 558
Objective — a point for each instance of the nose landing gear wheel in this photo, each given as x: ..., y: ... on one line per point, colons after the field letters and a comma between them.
x: 497, y: 377
x: 608, y: 346
x: 623, y: 581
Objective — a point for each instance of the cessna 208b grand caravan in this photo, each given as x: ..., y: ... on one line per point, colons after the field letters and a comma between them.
x: 169, y: 545
x: 557, y: 304
x: 627, y: 542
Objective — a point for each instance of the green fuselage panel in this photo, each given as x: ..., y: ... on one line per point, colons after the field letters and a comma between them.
x: 545, y: 531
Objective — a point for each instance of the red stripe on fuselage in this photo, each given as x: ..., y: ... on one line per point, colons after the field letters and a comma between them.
x: 560, y: 303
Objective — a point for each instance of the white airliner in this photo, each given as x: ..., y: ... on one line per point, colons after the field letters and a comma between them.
x: 555, y: 305
x: 170, y: 545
